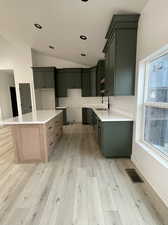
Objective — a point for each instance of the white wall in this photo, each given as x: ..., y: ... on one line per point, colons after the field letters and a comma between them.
x: 152, y: 35
x: 17, y: 57
x: 124, y: 104
x: 40, y: 59
x: 5, y: 54
x: 6, y: 81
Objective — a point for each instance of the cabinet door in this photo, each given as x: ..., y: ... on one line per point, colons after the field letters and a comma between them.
x: 88, y: 82
x: 44, y: 78
x: 84, y: 115
x: 86, y: 85
x: 38, y: 79
x: 93, y: 81
x: 106, y: 70
x: 109, y: 84
x: 65, y: 117
x: 116, y: 138
x: 61, y: 83
x: 48, y: 80
x: 74, y: 78
x: 125, y: 62
x: 30, y: 141
x: 111, y: 55
x: 100, y: 74
x: 87, y: 116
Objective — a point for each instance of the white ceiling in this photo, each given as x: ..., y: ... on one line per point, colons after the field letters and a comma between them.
x: 63, y: 22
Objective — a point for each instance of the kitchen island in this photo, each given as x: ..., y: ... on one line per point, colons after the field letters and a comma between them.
x: 36, y: 134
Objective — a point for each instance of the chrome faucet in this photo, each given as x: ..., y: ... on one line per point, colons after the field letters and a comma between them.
x: 108, y: 102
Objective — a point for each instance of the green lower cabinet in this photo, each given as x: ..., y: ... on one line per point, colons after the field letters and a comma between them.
x: 115, y: 138
x: 87, y: 116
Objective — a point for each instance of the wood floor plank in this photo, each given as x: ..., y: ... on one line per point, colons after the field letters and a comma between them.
x: 112, y: 218
x: 95, y: 210
x: 78, y: 186
x: 80, y: 216
x: 127, y: 208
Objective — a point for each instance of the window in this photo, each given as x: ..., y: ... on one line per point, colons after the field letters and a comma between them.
x: 155, y: 130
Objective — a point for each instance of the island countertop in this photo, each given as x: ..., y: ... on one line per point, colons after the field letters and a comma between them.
x: 38, y: 117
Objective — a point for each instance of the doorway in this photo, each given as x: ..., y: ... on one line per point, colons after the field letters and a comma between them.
x: 14, y: 101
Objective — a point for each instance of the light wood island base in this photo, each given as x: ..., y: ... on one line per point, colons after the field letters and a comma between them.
x: 35, y: 142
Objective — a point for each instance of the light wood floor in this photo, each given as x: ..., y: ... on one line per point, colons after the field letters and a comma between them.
x: 77, y: 187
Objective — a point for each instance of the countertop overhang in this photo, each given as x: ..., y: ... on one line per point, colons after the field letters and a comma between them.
x: 38, y: 117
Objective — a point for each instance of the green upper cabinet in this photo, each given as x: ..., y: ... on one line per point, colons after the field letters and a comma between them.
x: 110, y: 65
x: 100, y: 77
x: 44, y: 77
x: 125, y: 62
x: 61, y: 83
x: 74, y: 77
x: 68, y: 78
x: 88, y: 82
x: 93, y: 81
x: 120, y: 54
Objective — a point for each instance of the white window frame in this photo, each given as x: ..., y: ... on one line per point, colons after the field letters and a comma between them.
x: 142, y: 100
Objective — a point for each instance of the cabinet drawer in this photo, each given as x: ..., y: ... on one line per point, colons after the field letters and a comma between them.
x: 51, y: 143
x: 58, y: 133
x: 58, y: 124
x: 50, y: 129
x: 50, y: 125
x: 59, y: 118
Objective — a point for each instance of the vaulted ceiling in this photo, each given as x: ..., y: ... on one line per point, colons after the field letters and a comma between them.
x: 63, y: 22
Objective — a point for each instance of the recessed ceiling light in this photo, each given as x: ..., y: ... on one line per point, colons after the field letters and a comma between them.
x: 84, y: 0
x: 38, y: 26
x: 83, y: 37
x: 83, y: 54
x: 51, y: 47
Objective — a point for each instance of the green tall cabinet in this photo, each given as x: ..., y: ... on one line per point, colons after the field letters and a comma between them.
x: 120, y: 55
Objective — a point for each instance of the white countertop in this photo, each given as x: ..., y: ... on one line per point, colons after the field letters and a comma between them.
x: 61, y: 107
x: 107, y: 115
x: 39, y: 117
